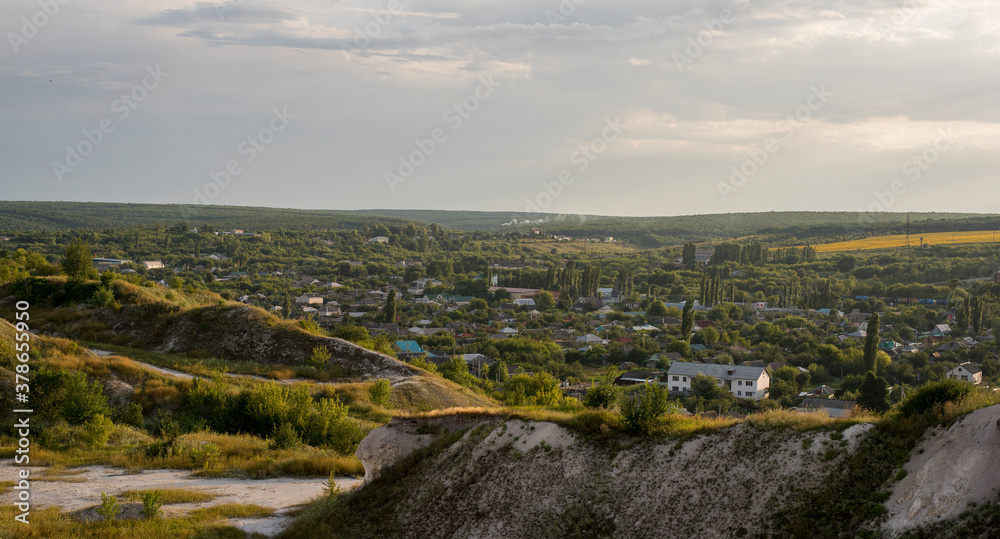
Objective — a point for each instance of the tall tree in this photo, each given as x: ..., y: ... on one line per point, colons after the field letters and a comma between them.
x: 871, y: 342
x: 76, y: 260
x: 688, y: 254
x: 389, y: 312
x: 687, y: 319
x: 976, y: 314
x: 873, y: 393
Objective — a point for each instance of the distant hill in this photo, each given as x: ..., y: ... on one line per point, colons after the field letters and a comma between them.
x: 48, y: 216
x: 772, y: 227
x: 655, y: 231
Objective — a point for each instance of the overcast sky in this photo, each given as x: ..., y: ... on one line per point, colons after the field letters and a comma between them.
x: 640, y: 107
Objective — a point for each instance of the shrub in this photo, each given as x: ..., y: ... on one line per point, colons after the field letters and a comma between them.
x: 97, y: 430
x: 152, y: 500
x: 380, y: 391
x: 109, y: 508
x: 105, y: 297
x: 164, y: 425
x: 933, y: 393
x: 640, y: 410
x: 602, y: 396
x: 423, y: 364
x: 285, y: 437
x: 130, y: 414
x: 206, y: 455
x: 331, y: 488
x: 320, y: 356
x: 82, y: 401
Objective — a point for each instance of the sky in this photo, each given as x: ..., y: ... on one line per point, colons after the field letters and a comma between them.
x: 619, y: 107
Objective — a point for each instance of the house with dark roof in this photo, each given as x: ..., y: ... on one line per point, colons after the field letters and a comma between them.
x: 966, y: 372
x: 637, y: 377
x: 744, y: 382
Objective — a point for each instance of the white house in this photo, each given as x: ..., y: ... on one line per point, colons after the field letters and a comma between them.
x: 744, y: 382
x: 152, y: 264
x: 309, y: 299
x: 966, y: 372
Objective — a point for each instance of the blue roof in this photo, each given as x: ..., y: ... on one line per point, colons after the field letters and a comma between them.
x: 409, y: 346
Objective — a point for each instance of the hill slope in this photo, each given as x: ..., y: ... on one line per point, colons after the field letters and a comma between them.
x: 490, y: 477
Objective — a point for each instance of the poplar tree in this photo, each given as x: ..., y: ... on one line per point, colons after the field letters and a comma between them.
x: 871, y: 342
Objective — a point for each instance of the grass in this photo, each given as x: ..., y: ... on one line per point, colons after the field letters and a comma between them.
x: 233, y: 510
x: 170, y: 495
x: 899, y: 240
x: 50, y: 523
x: 240, y: 456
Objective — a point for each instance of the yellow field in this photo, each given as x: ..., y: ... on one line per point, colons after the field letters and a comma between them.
x: 899, y: 240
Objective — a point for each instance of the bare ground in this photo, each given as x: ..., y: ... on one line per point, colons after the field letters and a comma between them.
x: 82, y: 490
x: 948, y: 470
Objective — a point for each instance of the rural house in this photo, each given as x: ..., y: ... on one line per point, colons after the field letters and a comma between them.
x: 966, y: 372
x: 742, y: 381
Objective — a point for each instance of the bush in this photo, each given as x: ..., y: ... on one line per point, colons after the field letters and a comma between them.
x: 285, y: 437
x: 640, y: 410
x: 206, y: 455
x: 380, y: 391
x: 82, y: 401
x: 105, y: 297
x: 97, y: 430
x: 933, y: 393
x: 602, y: 396
x: 320, y: 356
x: 109, y: 508
x: 152, y: 501
x: 130, y: 414
x: 164, y: 425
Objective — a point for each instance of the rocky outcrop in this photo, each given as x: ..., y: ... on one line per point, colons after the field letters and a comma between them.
x: 386, y: 445
x: 948, y: 471
x: 512, y: 478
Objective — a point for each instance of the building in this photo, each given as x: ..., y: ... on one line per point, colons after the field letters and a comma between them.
x: 966, y: 372
x: 103, y: 264
x: 152, y: 264
x: 521, y: 293
x: 309, y: 299
x: 406, y: 350
x: 378, y: 239
x: 744, y: 382
x: 704, y: 255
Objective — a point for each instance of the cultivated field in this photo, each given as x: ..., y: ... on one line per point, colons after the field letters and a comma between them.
x: 899, y: 240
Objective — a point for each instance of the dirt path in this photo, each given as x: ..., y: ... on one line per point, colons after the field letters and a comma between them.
x: 82, y: 490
